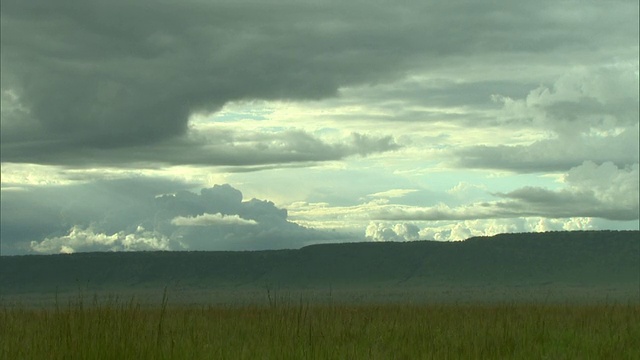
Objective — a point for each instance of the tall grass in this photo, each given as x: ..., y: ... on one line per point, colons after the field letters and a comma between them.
x: 299, y: 330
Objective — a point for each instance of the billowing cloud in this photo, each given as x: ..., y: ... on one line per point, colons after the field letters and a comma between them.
x: 462, y: 230
x: 211, y: 220
x: 583, y: 100
x: 145, y: 214
x: 398, y: 232
x: 589, y: 115
x: 79, y: 239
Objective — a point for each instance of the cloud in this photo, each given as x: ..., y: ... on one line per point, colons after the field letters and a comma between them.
x: 101, y: 100
x: 51, y: 210
x: 602, y: 191
x: 212, y: 147
x: 601, y: 98
x: 146, y: 214
x: 465, y: 190
x: 97, y: 76
x: 397, y: 232
x: 211, y: 220
x: 588, y: 114
x: 393, y: 193
x: 462, y: 230
x: 79, y: 239
x: 137, y: 81
x: 556, y: 155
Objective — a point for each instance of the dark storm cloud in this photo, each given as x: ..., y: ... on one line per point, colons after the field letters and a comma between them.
x: 145, y: 214
x: 110, y: 74
x: 216, y: 148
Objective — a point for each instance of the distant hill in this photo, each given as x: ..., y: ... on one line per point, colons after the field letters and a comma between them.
x: 585, y: 259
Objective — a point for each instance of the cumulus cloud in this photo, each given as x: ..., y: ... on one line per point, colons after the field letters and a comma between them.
x: 590, y: 114
x: 608, y: 182
x: 398, y: 232
x: 462, y: 230
x: 602, y: 98
x: 211, y: 220
x: 85, y: 239
x: 146, y: 214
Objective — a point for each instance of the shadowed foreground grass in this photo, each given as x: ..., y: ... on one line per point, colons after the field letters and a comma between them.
x: 117, y: 330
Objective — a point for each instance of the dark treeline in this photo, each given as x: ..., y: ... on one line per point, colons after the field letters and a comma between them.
x: 579, y: 258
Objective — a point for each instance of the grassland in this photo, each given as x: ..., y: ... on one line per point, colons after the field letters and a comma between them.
x: 301, y: 330
x: 568, y: 295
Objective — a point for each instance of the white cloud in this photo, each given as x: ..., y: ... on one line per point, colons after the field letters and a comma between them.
x: 462, y: 230
x: 590, y: 113
x: 393, y: 193
x: 398, y: 232
x: 609, y: 184
x: 456, y: 231
x: 604, y: 97
x: 85, y: 239
x: 211, y: 220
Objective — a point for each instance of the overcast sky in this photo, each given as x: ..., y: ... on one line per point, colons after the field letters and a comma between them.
x: 233, y: 125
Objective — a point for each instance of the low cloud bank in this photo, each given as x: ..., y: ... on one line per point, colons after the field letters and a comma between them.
x: 462, y: 230
x: 80, y: 239
x: 126, y: 216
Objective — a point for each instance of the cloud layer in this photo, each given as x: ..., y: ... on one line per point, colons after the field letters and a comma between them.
x: 96, y: 76
x: 592, y: 190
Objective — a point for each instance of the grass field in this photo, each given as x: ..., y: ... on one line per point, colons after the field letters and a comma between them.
x: 301, y: 330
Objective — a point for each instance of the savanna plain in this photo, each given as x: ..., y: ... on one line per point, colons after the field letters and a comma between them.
x: 568, y: 295
x: 113, y: 329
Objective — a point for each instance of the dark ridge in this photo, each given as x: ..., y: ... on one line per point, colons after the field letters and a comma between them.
x: 584, y: 258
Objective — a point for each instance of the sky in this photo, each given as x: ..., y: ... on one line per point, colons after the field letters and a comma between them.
x: 235, y: 125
